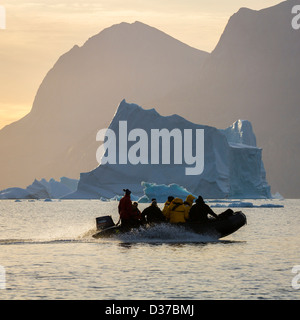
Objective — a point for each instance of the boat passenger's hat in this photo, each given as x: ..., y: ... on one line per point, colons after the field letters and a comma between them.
x: 199, y: 200
x: 127, y: 191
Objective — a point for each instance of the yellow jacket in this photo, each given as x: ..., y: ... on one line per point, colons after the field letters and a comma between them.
x: 166, y: 207
x: 189, y: 200
x: 177, y: 212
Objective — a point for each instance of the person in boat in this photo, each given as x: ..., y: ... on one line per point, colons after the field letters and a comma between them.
x: 177, y: 212
x: 136, y: 211
x: 167, y: 204
x: 153, y: 214
x: 125, y: 210
x: 199, y: 211
x: 136, y: 215
x: 189, y: 202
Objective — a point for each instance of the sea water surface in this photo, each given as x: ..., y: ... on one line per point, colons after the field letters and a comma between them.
x: 47, y: 252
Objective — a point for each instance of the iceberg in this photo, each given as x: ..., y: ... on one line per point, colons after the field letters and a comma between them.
x: 233, y: 166
x: 247, y: 171
x: 242, y: 204
x: 240, y: 132
x: 161, y: 192
x: 42, y: 189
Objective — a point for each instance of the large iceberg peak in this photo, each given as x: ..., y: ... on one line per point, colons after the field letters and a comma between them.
x: 127, y: 110
x: 241, y: 132
x: 134, y: 114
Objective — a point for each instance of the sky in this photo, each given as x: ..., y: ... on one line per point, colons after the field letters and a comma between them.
x: 37, y: 33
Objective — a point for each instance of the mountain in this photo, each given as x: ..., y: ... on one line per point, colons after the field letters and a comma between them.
x: 231, y: 168
x: 255, y: 70
x: 79, y: 94
x: 253, y: 74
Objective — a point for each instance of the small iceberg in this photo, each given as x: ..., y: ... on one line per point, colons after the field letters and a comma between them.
x: 161, y: 192
x: 241, y: 204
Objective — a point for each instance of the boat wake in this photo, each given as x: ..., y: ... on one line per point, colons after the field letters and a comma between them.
x: 164, y: 233
x: 37, y: 241
x: 71, y: 235
x: 157, y: 234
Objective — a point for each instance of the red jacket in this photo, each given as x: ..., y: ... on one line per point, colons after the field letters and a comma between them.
x: 125, y: 207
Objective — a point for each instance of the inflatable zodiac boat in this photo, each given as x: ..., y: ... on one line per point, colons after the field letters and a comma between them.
x: 227, y: 223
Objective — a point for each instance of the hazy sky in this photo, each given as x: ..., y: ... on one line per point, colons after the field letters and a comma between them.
x: 38, y: 32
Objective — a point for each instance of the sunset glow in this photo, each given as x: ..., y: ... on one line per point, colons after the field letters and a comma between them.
x: 37, y: 33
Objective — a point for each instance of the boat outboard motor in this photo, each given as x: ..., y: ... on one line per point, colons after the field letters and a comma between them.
x: 104, y: 222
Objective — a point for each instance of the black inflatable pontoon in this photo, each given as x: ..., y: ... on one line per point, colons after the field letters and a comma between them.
x: 226, y: 224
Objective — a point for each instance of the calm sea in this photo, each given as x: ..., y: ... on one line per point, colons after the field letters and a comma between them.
x: 47, y: 252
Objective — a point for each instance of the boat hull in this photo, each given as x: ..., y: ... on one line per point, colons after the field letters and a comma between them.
x: 221, y: 227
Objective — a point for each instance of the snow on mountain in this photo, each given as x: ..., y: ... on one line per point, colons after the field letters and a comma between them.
x: 230, y: 169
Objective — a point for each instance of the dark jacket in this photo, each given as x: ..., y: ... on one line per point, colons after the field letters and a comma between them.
x: 153, y: 214
x: 199, y: 212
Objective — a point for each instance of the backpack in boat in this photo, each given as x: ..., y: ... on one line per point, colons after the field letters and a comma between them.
x: 226, y: 214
